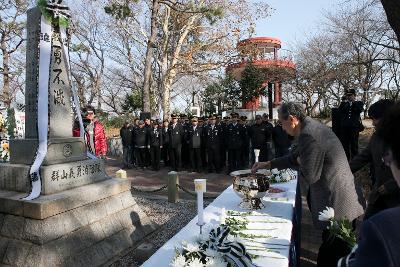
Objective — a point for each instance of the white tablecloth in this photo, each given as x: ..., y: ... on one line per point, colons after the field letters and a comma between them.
x: 282, y: 207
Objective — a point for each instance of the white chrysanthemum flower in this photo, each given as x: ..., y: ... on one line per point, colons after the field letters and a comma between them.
x: 275, y: 171
x: 327, y: 214
x: 285, y: 177
x: 216, y: 262
x: 191, y: 247
x: 179, y: 261
x: 195, y: 263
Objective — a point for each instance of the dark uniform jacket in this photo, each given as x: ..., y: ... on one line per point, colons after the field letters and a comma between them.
x: 235, y: 136
x: 141, y: 137
x: 165, y: 136
x: 350, y: 114
x: 176, y: 135
x: 280, y: 137
x: 193, y: 136
x: 126, y: 134
x: 260, y: 134
x: 156, y: 137
x: 213, y: 136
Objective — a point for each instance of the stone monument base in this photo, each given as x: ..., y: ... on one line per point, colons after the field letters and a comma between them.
x: 55, y: 178
x: 84, y: 226
x: 59, y: 150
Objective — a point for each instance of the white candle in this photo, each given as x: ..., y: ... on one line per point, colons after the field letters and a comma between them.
x: 200, y: 188
x: 256, y: 154
x: 222, y: 217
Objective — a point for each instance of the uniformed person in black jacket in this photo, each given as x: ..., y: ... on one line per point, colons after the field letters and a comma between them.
x: 244, y: 155
x: 156, y: 143
x: 193, y: 140
x: 126, y: 133
x: 282, y: 141
x: 213, y: 140
x: 260, y: 135
x: 184, y: 120
x: 351, y: 124
x: 141, y: 137
x: 224, y: 145
x: 234, y: 138
x: 165, y: 148
x: 176, y: 136
x: 203, y: 151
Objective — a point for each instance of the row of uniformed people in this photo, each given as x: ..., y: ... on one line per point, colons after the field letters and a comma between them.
x: 201, y: 145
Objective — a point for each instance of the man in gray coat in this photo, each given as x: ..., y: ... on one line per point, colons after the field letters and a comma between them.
x: 323, y: 168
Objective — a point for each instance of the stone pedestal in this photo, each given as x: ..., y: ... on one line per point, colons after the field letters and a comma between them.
x: 85, y: 226
x: 59, y: 150
x: 55, y: 178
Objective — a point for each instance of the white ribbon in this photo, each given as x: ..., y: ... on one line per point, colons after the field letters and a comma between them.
x: 43, y: 109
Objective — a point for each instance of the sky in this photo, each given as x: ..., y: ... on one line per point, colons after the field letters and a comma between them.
x: 292, y: 20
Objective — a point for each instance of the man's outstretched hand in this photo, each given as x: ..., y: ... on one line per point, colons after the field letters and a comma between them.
x: 261, y: 165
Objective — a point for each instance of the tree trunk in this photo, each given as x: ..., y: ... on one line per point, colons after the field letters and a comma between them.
x: 6, y: 79
x: 149, y: 57
x: 392, y: 9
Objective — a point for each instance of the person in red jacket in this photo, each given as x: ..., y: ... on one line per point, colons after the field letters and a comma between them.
x: 94, y: 133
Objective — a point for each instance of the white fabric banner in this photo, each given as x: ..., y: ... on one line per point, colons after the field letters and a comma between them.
x: 43, y: 108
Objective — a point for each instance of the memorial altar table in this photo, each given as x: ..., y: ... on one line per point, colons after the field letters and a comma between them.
x: 275, y: 219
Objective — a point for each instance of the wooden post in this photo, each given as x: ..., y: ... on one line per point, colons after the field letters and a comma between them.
x: 173, y: 192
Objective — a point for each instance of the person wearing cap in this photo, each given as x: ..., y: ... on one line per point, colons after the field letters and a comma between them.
x: 193, y: 139
x: 156, y: 143
x: 141, y: 137
x: 126, y: 133
x: 185, y: 150
x: 350, y: 124
x: 260, y: 134
x: 224, y: 145
x: 244, y: 159
x: 234, y: 136
x: 213, y: 139
x: 96, y: 142
x: 282, y: 141
x: 176, y: 137
x: 165, y: 148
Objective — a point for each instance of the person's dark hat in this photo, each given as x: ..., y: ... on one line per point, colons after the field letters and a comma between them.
x: 243, y: 118
x: 227, y: 118
x: 235, y: 115
x: 265, y: 115
x: 212, y: 117
x: 258, y: 117
x: 194, y: 118
x: 183, y: 116
x: 174, y: 116
x: 218, y: 116
x: 351, y: 92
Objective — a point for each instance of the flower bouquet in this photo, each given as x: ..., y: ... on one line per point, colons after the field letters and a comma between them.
x: 281, y: 176
x: 340, y: 228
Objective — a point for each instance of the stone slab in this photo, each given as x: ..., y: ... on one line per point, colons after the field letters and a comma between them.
x: 55, y: 178
x: 51, y: 205
x: 89, y: 244
x: 59, y: 150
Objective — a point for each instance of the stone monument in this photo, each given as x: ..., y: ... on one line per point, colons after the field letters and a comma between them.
x: 83, y: 217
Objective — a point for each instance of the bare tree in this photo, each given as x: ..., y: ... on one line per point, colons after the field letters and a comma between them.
x: 12, y: 24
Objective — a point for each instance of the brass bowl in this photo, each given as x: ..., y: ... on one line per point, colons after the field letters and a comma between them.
x: 250, y: 187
